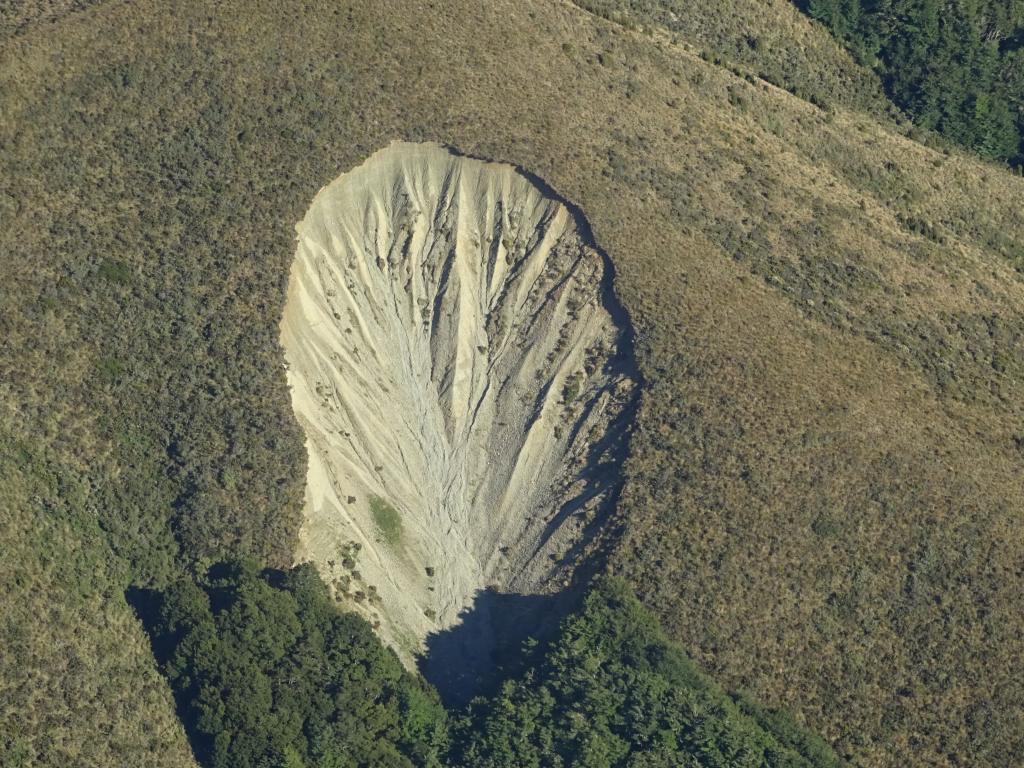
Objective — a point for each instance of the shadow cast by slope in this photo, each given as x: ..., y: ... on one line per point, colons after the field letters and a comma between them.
x: 488, y: 645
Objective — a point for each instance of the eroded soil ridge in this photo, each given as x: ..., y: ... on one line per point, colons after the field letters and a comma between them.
x: 462, y: 383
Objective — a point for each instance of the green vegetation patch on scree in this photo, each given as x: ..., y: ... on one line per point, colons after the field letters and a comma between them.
x: 387, y: 519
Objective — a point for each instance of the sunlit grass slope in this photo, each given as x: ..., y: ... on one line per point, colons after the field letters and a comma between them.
x: 823, y: 501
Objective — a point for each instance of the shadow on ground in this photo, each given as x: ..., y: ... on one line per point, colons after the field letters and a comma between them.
x: 485, y: 648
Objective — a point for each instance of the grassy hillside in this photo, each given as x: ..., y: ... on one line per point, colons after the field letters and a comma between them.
x: 77, y: 682
x: 20, y: 16
x: 764, y: 39
x: 823, y: 498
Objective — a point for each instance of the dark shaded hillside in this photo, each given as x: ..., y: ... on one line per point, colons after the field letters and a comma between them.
x: 823, y: 502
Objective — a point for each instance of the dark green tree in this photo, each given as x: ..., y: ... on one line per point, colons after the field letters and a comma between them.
x: 268, y: 673
x: 954, y: 67
x: 612, y: 692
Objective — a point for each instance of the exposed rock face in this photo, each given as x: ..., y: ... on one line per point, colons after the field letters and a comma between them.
x: 461, y: 381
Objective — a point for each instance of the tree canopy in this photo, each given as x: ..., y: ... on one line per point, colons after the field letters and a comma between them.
x: 955, y: 67
x: 269, y: 674
x: 612, y: 692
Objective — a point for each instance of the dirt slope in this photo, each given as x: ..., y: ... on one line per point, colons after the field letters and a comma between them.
x: 455, y: 369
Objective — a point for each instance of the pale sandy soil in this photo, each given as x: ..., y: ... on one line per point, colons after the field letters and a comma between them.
x: 441, y: 311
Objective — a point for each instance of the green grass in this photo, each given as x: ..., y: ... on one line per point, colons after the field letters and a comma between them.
x: 572, y: 388
x: 115, y: 272
x: 111, y: 369
x: 387, y: 519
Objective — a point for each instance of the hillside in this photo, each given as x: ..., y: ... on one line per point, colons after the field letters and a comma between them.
x: 823, y: 493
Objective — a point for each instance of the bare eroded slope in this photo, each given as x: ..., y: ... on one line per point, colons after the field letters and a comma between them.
x: 456, y: 370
